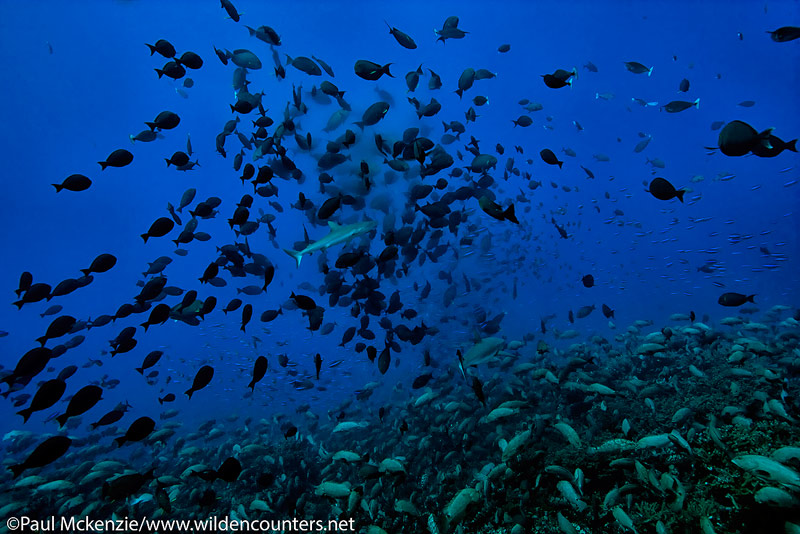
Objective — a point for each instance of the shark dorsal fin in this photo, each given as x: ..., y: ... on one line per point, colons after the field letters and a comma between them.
x: 333, y: 226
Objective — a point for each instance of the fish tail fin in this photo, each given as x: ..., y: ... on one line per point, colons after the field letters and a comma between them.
x: 58, y: 187
x: 560, y: 164
x: 791, y: 145
x: 86, y: 271
x: 145, y: 236
x: 459, y: 92
x: 294, y: 254
x: 679, y: 193
x: 152, y: 48
x: 26, y: 413
x: 140, y: 370
x: 42, y: 340
x: 360, y: 124
x: 150, y: 125
x: 160, y: 400
x: 103, y: 165
x: 385, y: 70
x: 509, y: 214
x: 751, y: 298
x: 697, y: 103
x: 120, y: 441
x: 62, y: 419
x: 650, y: 71
x: 159, y: 72
x: 189, y: 392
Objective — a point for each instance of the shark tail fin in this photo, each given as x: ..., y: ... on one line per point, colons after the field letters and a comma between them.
x: 294, y: 254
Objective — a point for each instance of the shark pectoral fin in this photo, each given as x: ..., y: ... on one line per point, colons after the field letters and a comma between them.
x: 332, y: 225
x: 298, y: 256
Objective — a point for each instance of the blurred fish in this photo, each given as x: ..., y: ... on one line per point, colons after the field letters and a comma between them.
x: 638, y: 68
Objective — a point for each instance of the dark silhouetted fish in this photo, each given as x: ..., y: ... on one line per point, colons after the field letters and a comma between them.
x: 663, y: 190
x: 83, y: 400
x: 46, y: 396
x: 45, y: 453
x: 139, y: 429
x: 201, y: 380
x: 735, y: 299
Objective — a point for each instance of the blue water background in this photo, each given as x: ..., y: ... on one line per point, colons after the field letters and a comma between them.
x: 67, y: 110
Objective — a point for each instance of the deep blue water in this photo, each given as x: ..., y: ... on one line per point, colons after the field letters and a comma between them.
x: 78, y: 80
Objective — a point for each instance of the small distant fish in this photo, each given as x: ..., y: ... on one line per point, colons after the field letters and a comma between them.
x: 550, y: 158
x: 664, y: 190
x: 641, y: 145
x: 369, y: 70
x: 402, y: 38
x: 644, y: 103
x: 228, y: 6
x: 560, y: 78
x: 450, y: 30
x: 637, y: 68
x: 523, y: 121
x: 676, y: 106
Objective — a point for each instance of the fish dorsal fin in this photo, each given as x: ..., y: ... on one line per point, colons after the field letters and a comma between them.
x: 333, y: 226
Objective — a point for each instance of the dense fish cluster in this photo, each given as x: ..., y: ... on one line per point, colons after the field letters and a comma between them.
x: 415, y: 242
